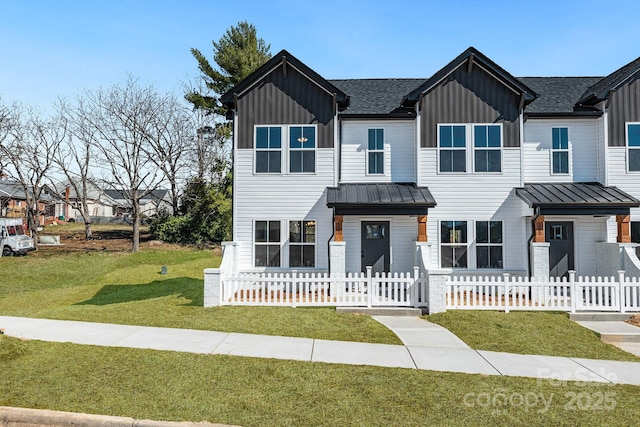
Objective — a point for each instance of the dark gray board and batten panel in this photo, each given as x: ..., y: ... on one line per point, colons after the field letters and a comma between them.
x: 624, y: 107
x: 285, y: 101
x: 474, y: 97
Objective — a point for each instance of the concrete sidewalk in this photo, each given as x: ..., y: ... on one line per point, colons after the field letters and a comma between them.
x: 616, y: 332
x: 426, y: 346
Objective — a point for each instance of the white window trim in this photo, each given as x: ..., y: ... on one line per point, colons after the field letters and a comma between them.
x: 254, y: 243
x: 489, y: 244
x: 383, y: 151
x: 471, y: 138
x: 627, y: 147
x: 470, y: 149
x: 440, y: 149
x: 472, y: 256
x: 560, y: 150
x: 285, y: 167
x: 315, y: 244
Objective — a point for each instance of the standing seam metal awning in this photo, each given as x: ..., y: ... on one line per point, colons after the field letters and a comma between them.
x: 583, y: 198
x: 380, y: 199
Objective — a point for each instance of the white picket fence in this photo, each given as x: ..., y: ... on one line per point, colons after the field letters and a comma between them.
x: 550, y: 294
x: 296, y: 288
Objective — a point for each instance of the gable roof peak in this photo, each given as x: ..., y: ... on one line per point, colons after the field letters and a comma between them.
x: 601, y: 90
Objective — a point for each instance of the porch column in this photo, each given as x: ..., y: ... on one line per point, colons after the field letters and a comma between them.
x: 337, y: 222
x: 422, y: 228
x: 538, y: 226
x: 624, y: 228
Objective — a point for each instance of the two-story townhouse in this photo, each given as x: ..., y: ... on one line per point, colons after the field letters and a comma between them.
x: 471, y: 169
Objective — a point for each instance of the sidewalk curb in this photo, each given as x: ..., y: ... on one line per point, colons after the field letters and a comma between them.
x: 24, y: 417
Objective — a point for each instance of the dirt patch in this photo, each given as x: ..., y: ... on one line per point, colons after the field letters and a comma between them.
x: 115, y: 239
x: 635, y: 320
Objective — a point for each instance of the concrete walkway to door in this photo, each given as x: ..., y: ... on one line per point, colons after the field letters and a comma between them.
x: 426, y: 346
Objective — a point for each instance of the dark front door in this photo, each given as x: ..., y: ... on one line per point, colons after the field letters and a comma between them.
x: 560, y: 238
x: 375, y: 245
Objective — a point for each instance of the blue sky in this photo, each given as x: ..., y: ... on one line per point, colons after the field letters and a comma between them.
x: 50, y: 48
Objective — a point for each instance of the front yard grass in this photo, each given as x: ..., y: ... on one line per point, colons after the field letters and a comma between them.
x: 546, y: 333
x: 149, y: 384
x: 127, y: 288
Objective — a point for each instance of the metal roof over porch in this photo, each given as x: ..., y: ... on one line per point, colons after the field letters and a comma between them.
x: 583, y: 198
x: 380, y: 199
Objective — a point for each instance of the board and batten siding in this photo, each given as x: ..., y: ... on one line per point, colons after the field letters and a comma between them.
x: 292, y: 99
x: 399, y: 151
x: 403, y: 234
x: 282, y: 197
x: 474, y: 97
x: 628, y: 182
x: 624, y: 107
x: 479, y: 197
x: 583, y: 151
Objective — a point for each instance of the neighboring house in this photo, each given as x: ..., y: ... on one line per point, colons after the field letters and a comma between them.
x: 99, y: 203
x: 471, y: 169
x: 150, y: 205
x: 13, y: 202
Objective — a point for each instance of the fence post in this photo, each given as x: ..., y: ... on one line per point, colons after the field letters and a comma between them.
x: 414, y: 289
x: 573, y: 290
x: 505, y: 277
x: 294, y: 286
x: 213, y: 293
x: 621, y: 294
x: 369, y: 287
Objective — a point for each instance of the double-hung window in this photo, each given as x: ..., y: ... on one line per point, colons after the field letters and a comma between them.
x: 302, y: 149
x: 487, y: 147
x: 633, y: 147
x: 267, y: 244
x: 560, y: 150
x: 268, y: 144
x: 489, y: 253
x: 375, y: 152
x: 453, y: 244
x: 452, y: 144
x: 302, y: 244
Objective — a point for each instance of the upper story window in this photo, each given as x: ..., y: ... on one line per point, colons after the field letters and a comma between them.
x: 268, y: 144
x: 487, y: 145
x: 302, y: 149
x: 299, y: 153
x: 633, y: 147
x: 375, y: 152
x: 484, y: 140
x: 452, y: 144
x: 559, y: 150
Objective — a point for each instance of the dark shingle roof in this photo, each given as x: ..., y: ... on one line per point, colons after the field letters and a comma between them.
x: 557, y: 94
x: 376, y: 96
x: 387, y: 194
x: 574, y: 195
x: 600, y: 90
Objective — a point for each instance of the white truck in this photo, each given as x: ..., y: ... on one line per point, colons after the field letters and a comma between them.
x: 13, y: 240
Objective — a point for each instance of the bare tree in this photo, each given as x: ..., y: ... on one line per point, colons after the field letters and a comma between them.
x: 124, y: 118
x: 76, y: 153
x: 29, y: 148
x: 171, y: 139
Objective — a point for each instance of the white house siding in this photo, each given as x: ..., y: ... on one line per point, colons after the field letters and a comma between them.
x: 399, y: 151
x: 403, y: 234
x: 583, y: 151
x: 282, y: 197
x: 481, y: 197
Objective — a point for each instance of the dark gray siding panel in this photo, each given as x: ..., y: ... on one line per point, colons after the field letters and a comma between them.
x: 292, y: 100
x: 474, y: 97
x: 624, y: 107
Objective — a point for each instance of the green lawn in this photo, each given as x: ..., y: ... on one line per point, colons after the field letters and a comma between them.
x: 158, y: 385
x: 523, y: 332
x: 128, y: 288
